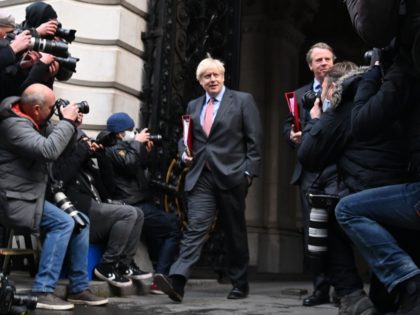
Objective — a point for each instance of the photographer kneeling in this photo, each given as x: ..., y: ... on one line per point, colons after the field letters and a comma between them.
x: 114, y: 223
x: 127, y: 182
x: 27, y: 145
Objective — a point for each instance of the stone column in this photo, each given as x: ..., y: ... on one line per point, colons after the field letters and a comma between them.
x: 270, y: 63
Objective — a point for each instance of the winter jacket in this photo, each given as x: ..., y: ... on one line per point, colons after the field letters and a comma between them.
x: 129, y: 183
x: 25, y: 151
x: 362, y: 164
x: 377, y: 109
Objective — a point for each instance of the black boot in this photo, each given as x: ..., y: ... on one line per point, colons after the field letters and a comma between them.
x: 409, y: 296
x: 172, y: 286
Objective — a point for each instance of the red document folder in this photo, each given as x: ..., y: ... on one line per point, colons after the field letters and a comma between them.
x: 294, y: 109
x: 188, y: 137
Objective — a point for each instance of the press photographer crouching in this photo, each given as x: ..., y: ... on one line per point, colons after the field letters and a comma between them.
x: 127, y: 181
x: 28, y: 144
x: 112, y: 223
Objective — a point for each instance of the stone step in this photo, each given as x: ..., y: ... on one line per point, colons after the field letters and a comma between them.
x: 23, y: 283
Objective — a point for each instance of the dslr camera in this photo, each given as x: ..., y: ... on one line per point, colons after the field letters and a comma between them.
x: 83, y: 105
x: 67, y: 34
x: 308, y: 99
x: 12, y: 303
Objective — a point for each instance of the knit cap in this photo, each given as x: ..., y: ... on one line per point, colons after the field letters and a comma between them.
x: 119, y: 122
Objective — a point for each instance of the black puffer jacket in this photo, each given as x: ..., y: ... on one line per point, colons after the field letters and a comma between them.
x: 397, y: 100
x: 362, y: 164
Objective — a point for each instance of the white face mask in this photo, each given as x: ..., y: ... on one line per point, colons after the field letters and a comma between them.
x: 326, y: 104
x: 129, y: 136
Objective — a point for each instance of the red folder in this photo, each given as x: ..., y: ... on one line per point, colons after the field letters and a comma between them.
x: 187, y: 130
x: 294, y: 109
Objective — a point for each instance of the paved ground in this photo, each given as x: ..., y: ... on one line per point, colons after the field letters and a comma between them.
x: 208, y: 297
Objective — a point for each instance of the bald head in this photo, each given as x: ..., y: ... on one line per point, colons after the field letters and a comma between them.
x: 37, y: 101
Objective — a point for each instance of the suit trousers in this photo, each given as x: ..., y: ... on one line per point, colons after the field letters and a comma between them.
x: 205, y: 201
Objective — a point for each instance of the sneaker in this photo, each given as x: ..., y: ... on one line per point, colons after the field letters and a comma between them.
x: 133, y: 271
x: 108, y: 272
x: 154, y: 289
x: 49, y: 301
x: 86, y: 297
x: 357, y: 302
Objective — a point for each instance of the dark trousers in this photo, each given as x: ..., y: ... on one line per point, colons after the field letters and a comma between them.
x: 161, y: 232
x: 343, y: 273
x: 318, y: 266
x: 119, y: 226
x: 204, y: 202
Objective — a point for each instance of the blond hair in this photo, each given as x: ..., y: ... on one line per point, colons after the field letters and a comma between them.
x: 208, y: 63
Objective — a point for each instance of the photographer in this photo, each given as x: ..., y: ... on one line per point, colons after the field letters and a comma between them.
x: 129, y: 184
x: 320, y: 58
x: 116, y: 224
x: 19, y: 67
x: 8, y: 50
x: 361, y: 164
x: 27, y: 145
x: 366, y: 216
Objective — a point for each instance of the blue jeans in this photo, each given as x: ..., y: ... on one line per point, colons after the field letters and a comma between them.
x: 57, y: 226
x: 363, y: 216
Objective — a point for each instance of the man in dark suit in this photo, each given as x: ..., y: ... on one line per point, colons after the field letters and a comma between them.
x: 320, y: 59
x: 226, y: 155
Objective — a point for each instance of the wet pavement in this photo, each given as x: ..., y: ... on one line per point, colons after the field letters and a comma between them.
x: 209, y: 297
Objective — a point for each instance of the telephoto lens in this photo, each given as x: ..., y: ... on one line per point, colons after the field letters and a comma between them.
x: 65, y: 204
x: 321, y: 208
x: 58, y: 49
x: 155, y: 137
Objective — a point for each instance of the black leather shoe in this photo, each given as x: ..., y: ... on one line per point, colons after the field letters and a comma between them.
x: 316, y: 298
x: 238, y: 293
x: 170, y: 287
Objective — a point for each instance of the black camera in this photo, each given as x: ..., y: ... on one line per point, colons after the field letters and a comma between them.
x: 67, y: 206
x: 105, y: 138
x: 67, y: 34
x: 12, y: 303
x: 68, y: 62
x: 83, y: 105
x: 385, y: 56
x: 322, y: 206
x: 308, y: 99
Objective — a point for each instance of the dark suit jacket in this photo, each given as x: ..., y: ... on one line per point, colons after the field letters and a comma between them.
x: 303, y: 118
x: 234, y: 143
